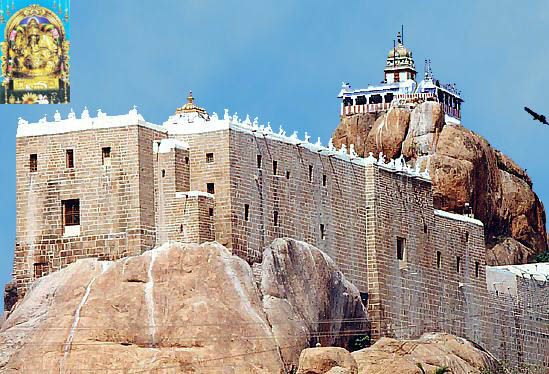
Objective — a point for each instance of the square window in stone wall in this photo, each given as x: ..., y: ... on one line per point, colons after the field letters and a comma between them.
x: 210, y: 188
x: 275, y: 167
x: 259, y: 161
x: 246, y: 212
x: 209, y: 158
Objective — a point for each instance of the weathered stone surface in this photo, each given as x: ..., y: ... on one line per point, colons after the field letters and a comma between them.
x: 191, y: 308
x: 303, y: 297
x: 431, y: 351
x: 333, y: 360
x: 509, y: 251
x: 354, y: 130
x: 388, y: 133
x: 426, y: 123
x: 466, y: 169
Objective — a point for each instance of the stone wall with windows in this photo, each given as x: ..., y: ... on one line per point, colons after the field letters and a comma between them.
x: 112, y: 211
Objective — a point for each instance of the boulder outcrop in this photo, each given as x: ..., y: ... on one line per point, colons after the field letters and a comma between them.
x: 189, y: 308
x: 419, y: 356
x: 465, y: 169
x: 326, y: 360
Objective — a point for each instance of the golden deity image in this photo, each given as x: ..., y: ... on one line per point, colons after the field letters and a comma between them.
x: 35, y: 56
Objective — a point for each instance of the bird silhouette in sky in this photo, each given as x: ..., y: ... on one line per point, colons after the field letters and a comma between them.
x: 537, y: 117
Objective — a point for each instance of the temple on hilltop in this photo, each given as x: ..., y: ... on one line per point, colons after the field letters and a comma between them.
x: 400, y: 87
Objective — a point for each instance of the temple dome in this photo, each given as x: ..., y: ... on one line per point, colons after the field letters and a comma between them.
x: 399, y: 51
x: 190, y: 107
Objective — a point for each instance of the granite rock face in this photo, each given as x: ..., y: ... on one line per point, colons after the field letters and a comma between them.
x: 431, y: 351
x: 190, y: 308
x: 304, y: 291
x: 326, y: 360
x: 388, y: 133
x: 464, y: 168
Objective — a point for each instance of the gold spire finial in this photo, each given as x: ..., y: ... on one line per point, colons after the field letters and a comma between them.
x: 190, y: 107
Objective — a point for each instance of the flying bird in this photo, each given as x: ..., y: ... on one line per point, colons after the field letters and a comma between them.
x: 537, y: 117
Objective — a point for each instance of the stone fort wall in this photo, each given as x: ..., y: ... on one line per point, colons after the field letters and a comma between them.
x: 244, y: 189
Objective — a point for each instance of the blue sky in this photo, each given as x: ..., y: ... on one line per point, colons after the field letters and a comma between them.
x: 284, y: 61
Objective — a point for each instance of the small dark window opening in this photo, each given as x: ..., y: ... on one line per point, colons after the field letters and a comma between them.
x: 259, y: 161
x: 275, y: 217
x: 466, y: 236
x: 71, y: 212
x: 209, y: 158
x: 458, y: 264
x: 287, y: 174
x: 163, y: 173
x: 211, y: 212
x: 70, y: 158
x: 400, y: 248
x: 324, y: 180
x: 181, y: 228
x: 210, y: 188
x: 310, y: 173
x: 246, y: 212
x: 33, y: 163
x: 439, y: 259
x: 106, y: 155
x: 322, y: 231
x: 187, y: 160
x: 275, y: 167
x: 425, y: 228
x: 477, y: 268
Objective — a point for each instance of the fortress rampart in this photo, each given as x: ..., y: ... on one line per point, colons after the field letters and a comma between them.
x: 111, y: 187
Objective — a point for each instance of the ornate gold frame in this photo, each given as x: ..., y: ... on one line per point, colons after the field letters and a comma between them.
x: 35, y: 10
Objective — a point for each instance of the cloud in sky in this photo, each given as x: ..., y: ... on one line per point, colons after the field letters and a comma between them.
x: 284, y: 61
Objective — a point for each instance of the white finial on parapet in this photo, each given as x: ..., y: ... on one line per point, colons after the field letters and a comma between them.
x: 226, y: 116
x: 43, y: 119
x: 426, y: 174
x: 381, y: 159
x: 255, y: 123
x: 235, y: 118
x: 22, y: 121
x: 85, y: 113
x: 370, y: 160
x: 352, y: 151
x: 247, y: 121
x: 318, y: 142
x: 331, y: 145
x: 281, y: 131
x: 343, y: 149
x: 269, y: 128
x: 100, y: 114
x: 133, y: 111
x: 71, y: 115
x: 214, y: 116
x: 294, y: 136
x: 57, y: 116
x: 307, y: 137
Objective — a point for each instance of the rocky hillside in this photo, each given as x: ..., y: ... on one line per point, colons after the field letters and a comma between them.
x: 187, y: 308
x: 419, y: 356
x: 464, y: 168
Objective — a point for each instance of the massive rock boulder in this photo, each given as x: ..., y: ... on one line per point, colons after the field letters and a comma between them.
x: 330, y: 360
x: 428, y: 353
x: 465, y: 169
x: 388, y: 133
x: 426, y: 123
x: 312, y: 302
x: 188, y: 308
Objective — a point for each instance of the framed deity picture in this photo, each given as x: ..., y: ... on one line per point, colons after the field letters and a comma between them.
x: 35, y: 51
